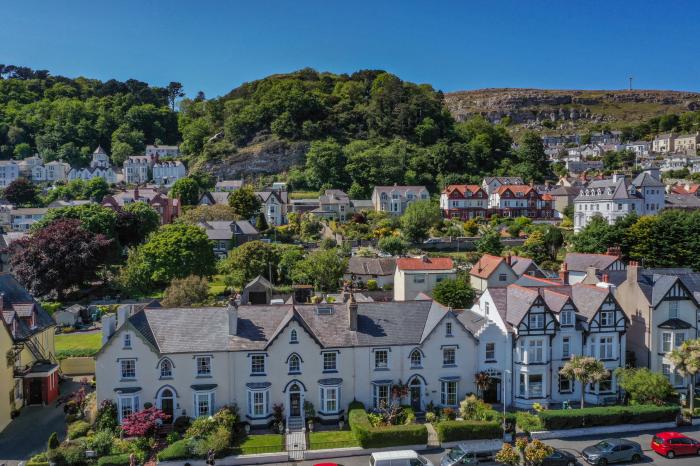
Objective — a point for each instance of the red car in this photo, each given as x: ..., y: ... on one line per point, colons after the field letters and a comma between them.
x: 670, y: 444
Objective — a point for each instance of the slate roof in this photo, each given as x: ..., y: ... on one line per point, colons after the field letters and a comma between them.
x: 216, y: 197
x: 579, y: 262
x: 682, y: 201
x: 655, y: 283
x: 222, y: 229
x: 229, y: 184
x: 645, y: 180
x: 402, y: 189
x: 18, y: 303
x: 618, y: 190
x: 472, y: 321
x: 520, y: 264
x: 371, y: 265
x: 191, y: 330
x: 504, y: 179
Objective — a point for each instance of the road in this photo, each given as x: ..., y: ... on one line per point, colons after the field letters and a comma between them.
x: 572, y: 445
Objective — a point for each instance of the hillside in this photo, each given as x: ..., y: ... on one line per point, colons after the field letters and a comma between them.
x: 569, y: 109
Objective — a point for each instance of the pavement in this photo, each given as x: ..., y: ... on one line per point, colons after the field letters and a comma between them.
x: 27, y: 434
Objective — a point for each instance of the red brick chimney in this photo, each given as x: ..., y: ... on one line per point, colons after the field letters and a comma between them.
x: 606, y: 278
x: 509, y: 259
x: 564, y: 273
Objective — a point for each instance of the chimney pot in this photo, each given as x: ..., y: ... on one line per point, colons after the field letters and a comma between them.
x: 232, y: 312
x: 352, y: 312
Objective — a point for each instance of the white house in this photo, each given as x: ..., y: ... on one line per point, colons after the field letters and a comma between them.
x: 137, y: 169
x: 274, y: 205
x: 22, y: 219
x: 417, y: 275
x: 9, y: 172
x: 167, y: 173
x: 55, y: 170
x: 395, y: 199
x: 158, y: 150
x: 189, y: 362
x: 99, y: 168
x: 577, y: 265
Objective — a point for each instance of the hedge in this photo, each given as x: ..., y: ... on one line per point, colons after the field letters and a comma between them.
x: 379, y: 437
x: 114, y: 460
x: 78, y: 429
x: 450, y: 431
x: 38, y: 463
x: 554, y: 419
x: 175, y: 451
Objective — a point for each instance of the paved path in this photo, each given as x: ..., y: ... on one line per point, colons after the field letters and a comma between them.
x: 296, y: 444
x: 433, y: 440
x: 27, y: 434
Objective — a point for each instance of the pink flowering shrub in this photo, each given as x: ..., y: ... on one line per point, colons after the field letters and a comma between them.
x: 143, y: 423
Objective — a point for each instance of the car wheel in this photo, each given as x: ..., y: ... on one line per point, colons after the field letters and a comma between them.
x: 636, y: 458
x: 602, y: 462
x: 670, y: 455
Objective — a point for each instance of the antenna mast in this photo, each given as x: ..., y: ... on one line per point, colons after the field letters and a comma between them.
x: 630, y: 78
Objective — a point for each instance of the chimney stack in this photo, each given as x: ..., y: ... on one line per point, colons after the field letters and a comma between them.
x: 232, y: 311
x: 632, y: 271
x: 352, y: 312
x: 564, y: 273
x: 109, y: 326
x: 509, y: 259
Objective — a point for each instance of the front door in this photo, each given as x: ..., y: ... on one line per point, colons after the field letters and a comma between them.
x: 166, y: 405
x: 35, y: 396
x: 294, y: 404
x: 415, y: 398
x: 491, y: 393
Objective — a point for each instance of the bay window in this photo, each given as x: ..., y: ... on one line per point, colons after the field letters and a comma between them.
x: 380, y: 396
x: 127, y: 405
x: 534, y: 385
x: 258, y: 403
x: 203, y: 403
x: 448, y: 392
x: 330, y: 399
x: 666, y: 342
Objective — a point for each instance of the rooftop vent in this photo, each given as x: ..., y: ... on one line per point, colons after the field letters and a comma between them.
x: 324, y: 310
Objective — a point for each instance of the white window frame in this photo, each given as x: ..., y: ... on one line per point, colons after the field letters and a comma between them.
x: 126, y: 405
x: 449, y: 356
x: 330, y: 399
x: 606, y: 348
x: 416, y: 359
x: 255, y: 368
x: 666, y: 345
x: 448, y: 329
x: 258, y: 403
x: 127, y: 340
x: 678, y: 339
x: 127, y: 373
x: 566, y: 347
x: 490, y: 351
x: 535, y: 351
x: 378, y: 364
x: 565, y: 381
x: 293, y: 336
x: 297, y: 369
x: 566, y: 318
x: 536, y: 321
x: 673, y: 309
x: 203, y: 366
x: 448, y: 392
x: 205, y: 399
x: 379, y: 398
x: 328, y: 357
x: 530, y: 384
x: 606, y: 318
x: 166, y: 369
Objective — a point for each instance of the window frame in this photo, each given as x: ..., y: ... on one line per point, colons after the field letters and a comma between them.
x: 378, y: 396
x: 169, y: 374
x: 327, y: 357
x: 379, y: 365
x: 198, y: 398
x: 490, y: 351
x: 449, y: 356
x: 448, y: 396
x: 325, y: 399
x: 297, y: 369
x: 124, y: 371
x: 202, y: 366
x: 253, y: 403
x: 416, y: 359
x: 257, y: 368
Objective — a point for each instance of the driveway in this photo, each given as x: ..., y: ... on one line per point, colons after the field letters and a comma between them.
x: 28, y: 434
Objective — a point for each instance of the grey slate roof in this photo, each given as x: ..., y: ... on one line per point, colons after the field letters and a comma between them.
x: 472, y: 321
x: 371, y: 265
x: 18, y: 303
x: 609, y: 190
x: 192, y: 330
x: 682, y: 201
x: 645, y: 180
x: 655, y: 283
x: 579, y: 262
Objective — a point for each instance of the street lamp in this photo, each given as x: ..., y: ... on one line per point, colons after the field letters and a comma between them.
x: 506, y: 372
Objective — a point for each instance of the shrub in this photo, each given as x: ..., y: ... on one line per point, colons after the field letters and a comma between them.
x: 181, y: 424
x: 53, y: 441
x: 70, y: 454
x: 430, y: 417
x: 175, y: 451
x: 114, y: 460
x: 218, y: 441
x: 449, y: 414
x: 450, y: 431
x: 372, y: 285
x: 528, y: 422
x: 474, y: 409
x: 101, y: 442
x: 143, y: 423
x: 379, y: 437
x: 172, y: 437
x: 39, y: 458
x: 78, y: 429
x: 554, y: 419
x: 106, y: 416
x: 185, y: 292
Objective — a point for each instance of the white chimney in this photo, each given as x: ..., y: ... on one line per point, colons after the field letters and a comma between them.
x: 122, y: 314
x: 232, y: 311
x: 109, y: 326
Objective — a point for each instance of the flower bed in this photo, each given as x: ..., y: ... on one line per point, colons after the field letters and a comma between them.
x: 380, y: 437
x: 450, y: 431
x: 556, y: 419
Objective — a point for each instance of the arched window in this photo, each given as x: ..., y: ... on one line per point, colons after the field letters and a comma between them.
x: 166, y: 368
x: 293, y: 337
x: 294, y: 364
x: 416, y: 359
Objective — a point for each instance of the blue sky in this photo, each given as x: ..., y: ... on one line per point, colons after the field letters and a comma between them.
x: 216, y: 45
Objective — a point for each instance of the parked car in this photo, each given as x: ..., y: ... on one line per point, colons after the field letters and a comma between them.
x: 471, y: 454
x: 613, y: 450
x: 398, y: 458
x: 670, y: 444
x: 560, y: 458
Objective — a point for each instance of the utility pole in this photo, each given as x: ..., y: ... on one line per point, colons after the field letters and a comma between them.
x: 630, y: 78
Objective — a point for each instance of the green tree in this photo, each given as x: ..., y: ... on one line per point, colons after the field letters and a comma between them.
x: 187, y: 190
x: 216, y: 212
x: 323, y: 268
x: 261, y: 222
x: 135, y: 221
x: 456, y: 293
x: 93, y: 217
x: 22, y: 151
x: 532, y: 159
x: 325, y: 164
x: 595, y: 237
x: 186, y: 292
x: 96, y: 189
x: 418, y: 218
x: 173, y: 251
x: 586, y: 370
x: 174, y: 90
x: 393, y: 245
x: 249, y: 260
x: 686, y: 361
x: 535, y: 247
x: 490, y: 242
x: 643, y: 385
x: 244, y: 202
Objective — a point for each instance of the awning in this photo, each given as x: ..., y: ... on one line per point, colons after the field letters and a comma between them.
x: 333, y: 381
x: 453, y: 378
x: 382, y: 382
x: 127, y: 390
x: 203, y: 387
x: 258, y: 385
x: 675, y: 324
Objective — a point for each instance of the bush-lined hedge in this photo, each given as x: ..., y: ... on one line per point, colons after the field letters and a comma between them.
x: 450, y: 431
x: 379, y: 437
x: 114, y: 460
x: 554, y: 419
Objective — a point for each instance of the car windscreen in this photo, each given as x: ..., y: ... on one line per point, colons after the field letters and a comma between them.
x: 605, y: 446
x: 455, y: 454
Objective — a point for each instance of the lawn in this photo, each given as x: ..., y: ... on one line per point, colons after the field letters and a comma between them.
x: 264, y: 443
x: 216, y: 285
x: 332, y: 439
x: 303, y: 195
x: 78, y: 344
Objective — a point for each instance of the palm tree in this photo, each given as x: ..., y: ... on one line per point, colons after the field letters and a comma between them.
x: 686, y: 360
x: 586, y: 370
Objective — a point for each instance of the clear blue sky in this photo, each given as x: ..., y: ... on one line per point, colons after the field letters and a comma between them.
x: 216, y: 45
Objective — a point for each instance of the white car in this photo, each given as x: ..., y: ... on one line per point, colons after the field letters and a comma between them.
x: 398, y: 458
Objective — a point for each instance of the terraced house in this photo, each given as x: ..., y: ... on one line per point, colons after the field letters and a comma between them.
x: 543, y: 323
x: 191, y: 361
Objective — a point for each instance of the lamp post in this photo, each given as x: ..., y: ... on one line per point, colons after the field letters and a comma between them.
x: 506, y: 372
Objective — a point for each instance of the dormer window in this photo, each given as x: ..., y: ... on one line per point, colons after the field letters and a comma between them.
x: 536, y: 321
x: 293, y: 337
x: 566, y: 318
x: 127, y: 341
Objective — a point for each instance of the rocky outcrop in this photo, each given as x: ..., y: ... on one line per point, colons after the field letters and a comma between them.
x: 263, y: 158
x: 524, y: 106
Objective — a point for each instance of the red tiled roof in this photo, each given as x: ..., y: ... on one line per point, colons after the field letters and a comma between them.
x: 546, y: 197
x: 514, y: 188
x: 427, y: 263
x: 463, y: 188
x: 486, y: 266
